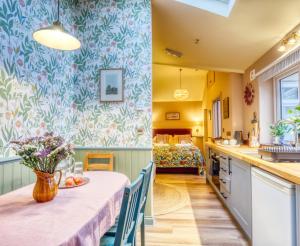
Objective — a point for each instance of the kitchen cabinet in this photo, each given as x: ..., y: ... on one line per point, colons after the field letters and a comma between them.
x: 240, y: 197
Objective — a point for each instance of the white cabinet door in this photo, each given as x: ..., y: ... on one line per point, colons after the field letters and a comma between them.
x: 273, y: 210
x: 240, y: 198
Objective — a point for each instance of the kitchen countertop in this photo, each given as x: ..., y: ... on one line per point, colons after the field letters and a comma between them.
x: 287, y: 170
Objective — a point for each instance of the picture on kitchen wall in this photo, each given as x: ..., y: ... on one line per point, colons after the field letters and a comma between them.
x: 172, y: 116
x: 226, y: 108
x: 111, y: 85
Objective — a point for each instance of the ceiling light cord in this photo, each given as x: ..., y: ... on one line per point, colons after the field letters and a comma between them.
x: 58, y: 10
x: 180, y: 77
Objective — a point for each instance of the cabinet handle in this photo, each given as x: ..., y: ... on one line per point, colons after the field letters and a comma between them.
x: 229, y: 166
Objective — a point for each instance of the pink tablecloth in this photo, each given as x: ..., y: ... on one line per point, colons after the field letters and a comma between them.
x: 78, y: 216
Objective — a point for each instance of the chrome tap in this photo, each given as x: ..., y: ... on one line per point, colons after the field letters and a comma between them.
x: 290, y: 122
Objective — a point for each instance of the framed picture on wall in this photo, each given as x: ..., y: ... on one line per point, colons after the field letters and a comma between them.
x: 111, y: 85
x: 172, y: 116
x: 226, y: 108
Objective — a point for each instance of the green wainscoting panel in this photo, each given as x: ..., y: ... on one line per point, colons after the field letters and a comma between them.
x: 127, y: 161
x: 13, y: 176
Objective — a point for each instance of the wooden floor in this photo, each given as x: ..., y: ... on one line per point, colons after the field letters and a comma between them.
x: 200, y: 220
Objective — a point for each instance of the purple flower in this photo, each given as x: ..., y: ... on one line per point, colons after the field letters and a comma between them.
x: 43, y: 153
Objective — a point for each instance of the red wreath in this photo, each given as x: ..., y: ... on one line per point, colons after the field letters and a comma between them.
x: 249, y: 94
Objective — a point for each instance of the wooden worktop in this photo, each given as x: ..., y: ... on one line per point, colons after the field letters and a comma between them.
x: 287, y: 170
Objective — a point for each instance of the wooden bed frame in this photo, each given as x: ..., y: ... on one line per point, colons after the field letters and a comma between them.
x: 175, y: 131
x: 179, y: 131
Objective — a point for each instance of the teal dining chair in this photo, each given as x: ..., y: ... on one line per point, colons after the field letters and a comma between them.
x: 126, y: 228
x: 147, y: 171
x: 141, y: 217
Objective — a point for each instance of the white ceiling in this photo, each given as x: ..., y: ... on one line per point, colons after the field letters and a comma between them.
x: 225, y: 44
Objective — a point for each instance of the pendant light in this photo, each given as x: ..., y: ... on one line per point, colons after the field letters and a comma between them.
x: 56, y: 37
x: 181, y: 94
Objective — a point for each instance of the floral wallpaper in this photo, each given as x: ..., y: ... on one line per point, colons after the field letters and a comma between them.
x: 42, y: 89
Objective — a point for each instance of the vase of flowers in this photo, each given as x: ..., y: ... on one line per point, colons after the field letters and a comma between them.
x: 42, y: 154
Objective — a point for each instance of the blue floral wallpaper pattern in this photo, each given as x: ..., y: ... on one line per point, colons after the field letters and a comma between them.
x: 42, y: 89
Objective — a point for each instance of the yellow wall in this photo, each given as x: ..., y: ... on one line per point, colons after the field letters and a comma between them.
x: 270, y: 56
x: 226, y: 85
x: 190, y: 113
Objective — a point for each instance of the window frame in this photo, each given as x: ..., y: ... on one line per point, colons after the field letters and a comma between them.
x: 219, y: 124
x: 277, y: 89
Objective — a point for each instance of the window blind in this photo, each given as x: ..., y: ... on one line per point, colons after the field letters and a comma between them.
x: 287, y: 62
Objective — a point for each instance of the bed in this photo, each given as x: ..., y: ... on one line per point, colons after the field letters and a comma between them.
x: 174, y: 152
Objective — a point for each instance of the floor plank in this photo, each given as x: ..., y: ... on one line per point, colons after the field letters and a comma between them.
x: 201, y: 220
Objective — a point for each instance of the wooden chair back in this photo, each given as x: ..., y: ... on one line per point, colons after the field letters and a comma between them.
x: 127, y: 224
x: 98, y: 163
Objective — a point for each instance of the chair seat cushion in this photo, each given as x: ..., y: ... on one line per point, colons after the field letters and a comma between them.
x: 107, y: 241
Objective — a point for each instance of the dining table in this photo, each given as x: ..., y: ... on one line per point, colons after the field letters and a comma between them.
x: 76, y: 216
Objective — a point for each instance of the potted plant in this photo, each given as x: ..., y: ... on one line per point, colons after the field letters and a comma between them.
x: 278, y: 131
x: 42, y: 155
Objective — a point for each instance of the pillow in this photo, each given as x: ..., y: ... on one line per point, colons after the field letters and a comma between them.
x: 184, y: 139
x: 162, y: 138
x: 175, y: 139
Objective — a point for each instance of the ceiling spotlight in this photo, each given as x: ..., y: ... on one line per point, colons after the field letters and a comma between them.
x: 175, y: 53
x: 292, y: 39
x: 282, y: 46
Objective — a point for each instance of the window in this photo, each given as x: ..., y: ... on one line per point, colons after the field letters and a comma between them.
x: 217, y: 128
x: 288, y: 88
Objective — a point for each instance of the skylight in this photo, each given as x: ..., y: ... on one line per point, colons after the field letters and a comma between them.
x: 219, y: 7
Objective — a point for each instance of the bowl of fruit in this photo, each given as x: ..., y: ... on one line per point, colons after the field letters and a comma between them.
x: 71, y: 182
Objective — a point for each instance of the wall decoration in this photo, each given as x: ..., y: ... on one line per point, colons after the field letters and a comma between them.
x: 226, y: 108
x: 42, y: 89
x: 111, y: 85
x: 249, y: 94
x: 172, y: 116
x: 211, y: 78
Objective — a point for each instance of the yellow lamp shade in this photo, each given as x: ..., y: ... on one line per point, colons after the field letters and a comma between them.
x: 56, y: 37
x: 181, y: 94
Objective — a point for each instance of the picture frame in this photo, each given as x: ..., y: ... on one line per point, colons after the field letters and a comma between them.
x: 226, y: 108
x: 112, y: 85
x: 172, y: 116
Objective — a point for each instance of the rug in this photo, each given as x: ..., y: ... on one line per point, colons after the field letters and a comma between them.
x: 169, y: 198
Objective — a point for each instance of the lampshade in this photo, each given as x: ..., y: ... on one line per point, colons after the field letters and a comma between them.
x: 56, y: 37
x: 181, y: 94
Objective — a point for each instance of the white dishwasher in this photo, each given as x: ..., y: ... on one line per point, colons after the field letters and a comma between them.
x: 273, y: 210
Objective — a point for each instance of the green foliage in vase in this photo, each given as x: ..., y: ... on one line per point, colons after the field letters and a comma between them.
x: 279, y: 129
